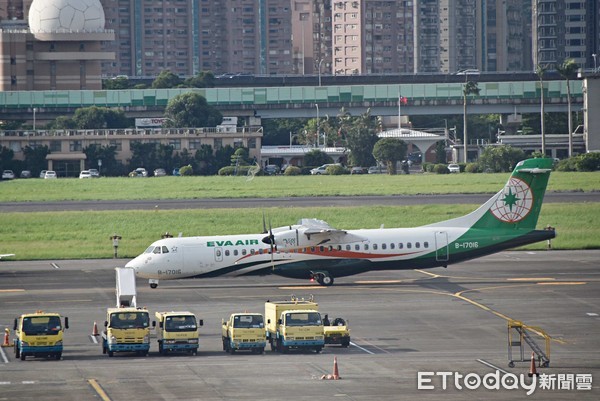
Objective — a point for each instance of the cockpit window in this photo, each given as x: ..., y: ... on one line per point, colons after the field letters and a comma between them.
x: 157, y: 249
x: 165, y: 249
x: 150, y: 249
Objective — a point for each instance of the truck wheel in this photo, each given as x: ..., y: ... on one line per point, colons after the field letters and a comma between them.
x: 272, y: 345
x: 261, y: 350
x: 231, y: 350
x: 345, y: 343
x: 318, y: 350
x: 58, y: 356
x: 194, y: 353
x: 22, y: 356
x: 110, y: 354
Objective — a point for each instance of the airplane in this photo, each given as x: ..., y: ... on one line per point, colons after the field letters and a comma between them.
x: 6, y: 255
x: 314, y: 250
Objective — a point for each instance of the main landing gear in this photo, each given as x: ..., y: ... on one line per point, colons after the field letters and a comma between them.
x: 322, y: 278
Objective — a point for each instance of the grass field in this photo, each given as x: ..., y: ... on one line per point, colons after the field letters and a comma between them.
x: 74, y: 235
x: 273, y: 186
x: 80, y: 235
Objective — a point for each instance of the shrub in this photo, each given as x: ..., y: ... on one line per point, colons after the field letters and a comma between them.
x: 292, y: 170
x: 440, y: 169
x: 588, y: 162
x: 186, y: 170
x: 231, y: 170
x: 567, y: 165
x: 336, y: 170
x: 472, y: 168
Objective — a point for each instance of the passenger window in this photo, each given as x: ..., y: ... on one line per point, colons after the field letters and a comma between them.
x: 235, y: 252
x: 357, y: 247
x: 165, y: 249
x: 374, y: 246
x: 339, y: 247
x: 425, y: 244
x: 348, y: 247
x: 312, y: 249
x: 392, y: 245
x: 417, y: 244
x: 330, y: 248
x: 383, y: 246
x: 251, y: 251
x: 218, y: 253
x: 227, y: 252
x: 321, y: 248
x: 400, y: 245
x: 408, y: 245
x: 243, y: 252
x: 366, y: 247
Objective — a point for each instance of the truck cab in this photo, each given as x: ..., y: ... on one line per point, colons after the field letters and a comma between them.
x: 39, y: 334
x: 126, y: 330
x: 177, y: 331
x: 244, y: 331
x: 294, y: 324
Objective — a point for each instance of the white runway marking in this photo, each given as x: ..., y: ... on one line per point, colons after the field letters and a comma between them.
x: 359, y: 347
x: 492, y: 366
x: 4, y: 358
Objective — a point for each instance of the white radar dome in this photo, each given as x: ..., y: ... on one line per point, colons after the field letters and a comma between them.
x: 66, y: 16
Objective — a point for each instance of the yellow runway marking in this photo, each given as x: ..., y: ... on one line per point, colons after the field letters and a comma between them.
x: 303, y: 287
x: 99, y: 390
x: 50, y: 302
x: 429, y: 274
x: 564, y: 283
x: 13, y: 290
x: 378, y: 282
x: 531, y: 279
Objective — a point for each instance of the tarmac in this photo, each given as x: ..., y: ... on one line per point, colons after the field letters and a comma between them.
x: 416, y: 334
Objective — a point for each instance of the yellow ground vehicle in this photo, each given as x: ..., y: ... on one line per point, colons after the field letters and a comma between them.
x: 294, y: 324
x: 126, y: 330
x: 39, y: 334
x: 337, y: 333
x: 177, y: 331
x: 244, y: 331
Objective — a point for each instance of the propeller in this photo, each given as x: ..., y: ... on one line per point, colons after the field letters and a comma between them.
x: 270, y: 239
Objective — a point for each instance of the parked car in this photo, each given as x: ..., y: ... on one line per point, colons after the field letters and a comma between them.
x: 94, y: 173
x: 25, y: 174
x: 376, y: 170
x: 271, y: 169
x: 453, y: 168
x: 8, y: 175
x: 176, y: 172
x: 357, y: 170
x: 139, y: 172
x: 160, y: 172
x: 85, y: 174
x: 322, y: 169
x: 43, y: 174
x: 50, y: 175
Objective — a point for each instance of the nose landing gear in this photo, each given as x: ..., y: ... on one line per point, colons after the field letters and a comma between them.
x: 153, y: 283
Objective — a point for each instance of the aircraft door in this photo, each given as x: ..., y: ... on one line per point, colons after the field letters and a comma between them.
x: 219, y: 254
x: 441, y: 246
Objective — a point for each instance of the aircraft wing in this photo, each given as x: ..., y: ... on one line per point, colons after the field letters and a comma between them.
x: 6, y: 255
x: 318, y: 229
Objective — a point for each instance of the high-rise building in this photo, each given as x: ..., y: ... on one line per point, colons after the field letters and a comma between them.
x: 560, y: 28
x: 504, y: 35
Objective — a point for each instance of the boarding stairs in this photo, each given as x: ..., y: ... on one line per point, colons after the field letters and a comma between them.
x: 517, y: 337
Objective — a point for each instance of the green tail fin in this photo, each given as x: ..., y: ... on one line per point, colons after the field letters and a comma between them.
x: 518, y: 204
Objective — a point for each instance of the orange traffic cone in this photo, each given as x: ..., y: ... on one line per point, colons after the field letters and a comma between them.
x: 532, y: 370
x: 6, y: 336
x: 95, y: 330
x: 336, y: 373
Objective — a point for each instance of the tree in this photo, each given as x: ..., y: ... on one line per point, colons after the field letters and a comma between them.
x: 119, y: 82
x: 95, y: 117
x: 568, y: 70
x: 35, y: 158
x: 204, y: 79
x: 389, y: 151
x: 317, y: 158
x: 500, y: 158
x: 108, y: 155
x: 470, y: 88
x: 359, y: 135
x: 166, y: 79
x: 540, y: 70
x: 282, y: 131
x: 191, y: 110
x: 206, y: 160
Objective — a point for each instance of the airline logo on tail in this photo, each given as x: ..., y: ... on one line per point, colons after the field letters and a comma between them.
x: 514, y: 202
